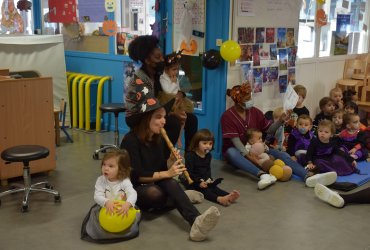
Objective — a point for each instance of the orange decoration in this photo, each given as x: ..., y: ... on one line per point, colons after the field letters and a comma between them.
x: 110, y: 28
x: 151, y: 101
x: 139, y: 81
x: 138, y: 95
x: 189, y: 50
x: 321, y: 17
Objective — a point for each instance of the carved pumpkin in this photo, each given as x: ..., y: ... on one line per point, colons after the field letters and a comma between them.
x: 321, y: 17
x: 110, y: 28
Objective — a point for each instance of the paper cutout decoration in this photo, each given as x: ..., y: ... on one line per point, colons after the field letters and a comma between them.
x: 321, y: 18
x: 110, y: 28
x: 110, y: 5
x: 320, y: 1
x: 62, y: 11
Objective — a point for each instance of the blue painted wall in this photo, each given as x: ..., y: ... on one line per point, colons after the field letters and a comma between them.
x: 214, y: 81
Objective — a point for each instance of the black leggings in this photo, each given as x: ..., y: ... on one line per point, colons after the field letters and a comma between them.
x: 211, y: 193
x: 360, y: 197
x: 156, y: 195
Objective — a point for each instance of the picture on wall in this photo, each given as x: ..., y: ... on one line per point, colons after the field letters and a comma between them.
x: 270, y: 35
x: 291, y: 76
x: 256, y: 55
x: 250, y: 35
x: 189, y: 27
x: 260, y: 35
x: 290, y: 37
x: 283, y: 83
x: 292, y: 56
x: 273, y: 52
x: 258, y: 79
x: 270, y: 75
x: 281, y: 37
x: 247, y: 52
x: 283, y: 59
x: 264, y: 51
x: 246, y: 72
x: 341, y: 35
x: 242, y: 35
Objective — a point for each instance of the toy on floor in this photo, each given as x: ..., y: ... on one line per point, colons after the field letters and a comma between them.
x: 281, y: 171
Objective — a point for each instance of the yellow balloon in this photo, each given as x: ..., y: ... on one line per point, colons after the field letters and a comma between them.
x: 230, y: 50
x: 279, y: 163
x: 277, y: 171
x: 117, y: 223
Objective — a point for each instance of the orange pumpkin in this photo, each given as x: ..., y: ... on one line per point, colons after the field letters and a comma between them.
x: 191, y: 50
x: 110, y: 28
x: 321, y: 17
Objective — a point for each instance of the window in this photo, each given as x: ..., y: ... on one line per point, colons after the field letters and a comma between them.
x: 14, y: 20
x: 327, y: 40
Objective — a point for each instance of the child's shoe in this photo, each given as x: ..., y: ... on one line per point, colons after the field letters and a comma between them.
x: 265, y: 181
x: 194, y: 196
x: 324, y: 179
x: 204, y: 223
x: 328, y: 196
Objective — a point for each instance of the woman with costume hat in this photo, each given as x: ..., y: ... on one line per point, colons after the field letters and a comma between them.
x: 145, y: 49
x: 234, y: 123
x: 152, y: 174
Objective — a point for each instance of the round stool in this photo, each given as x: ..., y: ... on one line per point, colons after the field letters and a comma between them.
x: 116, y: 109
x: 25, y: 154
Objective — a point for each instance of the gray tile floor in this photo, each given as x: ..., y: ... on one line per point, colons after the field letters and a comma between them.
x: 285, y: 216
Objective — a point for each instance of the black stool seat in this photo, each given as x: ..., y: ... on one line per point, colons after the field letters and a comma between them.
x: 24, y: 153
x: 115, y: 108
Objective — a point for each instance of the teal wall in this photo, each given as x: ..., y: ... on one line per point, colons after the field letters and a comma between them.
x: 214, y: 81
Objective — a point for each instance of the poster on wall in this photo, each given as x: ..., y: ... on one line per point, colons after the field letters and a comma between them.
x: 341, y: 36
x: 62, y: 11
x: 91, y: 10
x: 246, y: 72
x: 189, y: 26
x: 246, y: 7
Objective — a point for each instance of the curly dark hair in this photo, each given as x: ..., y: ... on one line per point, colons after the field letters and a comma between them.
x: 141, y: 47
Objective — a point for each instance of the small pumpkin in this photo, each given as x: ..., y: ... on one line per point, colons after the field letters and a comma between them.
x: 110, y: 28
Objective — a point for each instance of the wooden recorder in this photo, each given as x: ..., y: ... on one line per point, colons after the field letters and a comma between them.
x: 173, y: 150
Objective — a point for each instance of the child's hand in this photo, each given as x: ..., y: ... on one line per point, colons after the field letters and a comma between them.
x: 352, y: 151
x: 109, y: 205
x: 310, y: 166
x: 354, y: 164
x: 122, y: 208
x: 203, y: 184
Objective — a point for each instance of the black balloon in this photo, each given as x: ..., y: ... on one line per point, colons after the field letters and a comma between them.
x: 211, y: 59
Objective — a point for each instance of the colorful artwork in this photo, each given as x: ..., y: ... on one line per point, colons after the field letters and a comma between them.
x: 283, y: 59
x: 250, y: 35
x: 270, y: 35
x: 246, y: 72
x: 260, y: 35
x: 273, y: 52
x: 281, y: 37
x: 292, y: 56
x: 290, y: 37
x: 283, y: 83
x: 341, y: 34
x: 242, y: 35
x: 257, y: 80
x: 264, y: 51
x: 270, y: 75
x: 247, y: 52
x: 256, y: 55
x: 63, y: 11
x: 291, y: 76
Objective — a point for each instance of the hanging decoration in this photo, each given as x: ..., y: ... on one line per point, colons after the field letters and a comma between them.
x: 110, y: 5
x: 11, y: 21
x: 24, y: 5
x: 211, y: 59
x: 321, y: 1
x: 321, y: 18
x: 62, y: 11
x: 109, y: 27
x: 230, y: 50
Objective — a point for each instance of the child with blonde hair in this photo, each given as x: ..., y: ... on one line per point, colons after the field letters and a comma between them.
x: 337, y: 95
x: 300, y: 108
x: 198, y: 163
x: 323, y: 153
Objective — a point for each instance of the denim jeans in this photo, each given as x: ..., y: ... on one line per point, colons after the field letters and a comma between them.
x: 234, y: 157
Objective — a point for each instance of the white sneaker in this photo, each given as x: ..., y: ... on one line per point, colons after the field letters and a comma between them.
x: 204, y: 223
x: 324, y: 179
x: 265, y: 181
x: 194, y: 196
x: 328, y: 196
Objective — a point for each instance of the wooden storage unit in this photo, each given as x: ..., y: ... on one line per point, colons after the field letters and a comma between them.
x: 26, y: 117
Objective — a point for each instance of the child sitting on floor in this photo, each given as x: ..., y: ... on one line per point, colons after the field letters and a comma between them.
x: 336, y: 95
x: 327, y: 107
x: 300, y: 108
x: 198, y: 164
x: 337, y: 119
x: 323, y: 153
x: 299, y: 139
x: 351, y: 138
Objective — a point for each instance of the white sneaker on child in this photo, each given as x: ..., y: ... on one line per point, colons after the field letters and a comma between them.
x: 328, y: 196
x: 324, y: 179
x: 265, y: 181
x: 204, y: 223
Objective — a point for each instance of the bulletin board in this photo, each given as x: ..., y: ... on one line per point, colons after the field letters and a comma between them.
x: 189, y: 27
x: 267, y: 32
